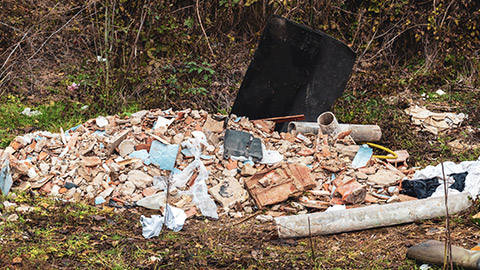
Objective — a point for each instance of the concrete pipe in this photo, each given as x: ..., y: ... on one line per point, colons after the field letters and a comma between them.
x: 360, y: 133
x: 362, y: 218
x: 303, y: 127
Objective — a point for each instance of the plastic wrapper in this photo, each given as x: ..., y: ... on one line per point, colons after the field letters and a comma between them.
x: 199, y: 190
x: 151, y: 227
x: 472, y: 183
x: 174, y: 218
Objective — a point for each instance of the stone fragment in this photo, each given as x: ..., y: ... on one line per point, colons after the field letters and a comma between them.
x: 394, y: 199
x: 195, y: 114
x: 140, y: 179
x: 98, y: 179
x: 213, y: 125
x: 402, y: 156
x: 264, y: 218
x: 116, y: 141
x: 126, y: 147
x: 229, y: 173
x: 127, y: 189
x: 40, y: 144
x: 18, y: 143
x: 248, y: 170
x: 69, y: 194
x: 12, y: 217
x: 368, y: 170
x: 122, y: 178
x: 42, y: 156
x: 361, y: 175
x: 384, y: 177
x: 55, y: 190
x: 101, y: 121
x: 44, y: 167
x: 136, y: 118
x: 106, y: 192
x: 178, y: 138
x: 228, y: 192
x: 32, y: 173
x: 155, y: 201
x: 347, y: 150
x: 9, y: 206
x: 183, y: 201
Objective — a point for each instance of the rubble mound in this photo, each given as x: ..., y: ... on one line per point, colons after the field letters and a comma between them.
x: 202, y: 160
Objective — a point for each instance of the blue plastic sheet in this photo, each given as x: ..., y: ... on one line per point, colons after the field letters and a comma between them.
x: 362, y: 157
x: 163, y: 155
x: 99, y: 200
x: 141, y: 154
x: 5, y: 178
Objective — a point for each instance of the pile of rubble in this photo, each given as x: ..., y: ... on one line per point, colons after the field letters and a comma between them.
x: 243, y: 165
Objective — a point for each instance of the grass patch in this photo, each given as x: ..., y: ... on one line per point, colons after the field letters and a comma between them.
x: 50, y: 117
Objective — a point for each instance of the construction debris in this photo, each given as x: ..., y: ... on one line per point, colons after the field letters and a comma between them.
x: 434, y: 122
x: 193, y: 161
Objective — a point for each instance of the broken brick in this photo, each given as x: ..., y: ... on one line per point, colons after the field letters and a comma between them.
x: 278, y: 184
x: 91, y: 161
x: 306, y: 152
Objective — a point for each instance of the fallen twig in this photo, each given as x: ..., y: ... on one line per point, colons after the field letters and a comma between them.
x: 203, y: 29
x: 246, y: 218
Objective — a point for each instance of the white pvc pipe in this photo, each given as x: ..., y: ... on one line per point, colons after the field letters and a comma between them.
x: 360, y: 133
x: 303, y: 127
x: 369, y: 216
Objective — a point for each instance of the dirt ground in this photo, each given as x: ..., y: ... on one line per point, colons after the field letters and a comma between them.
x: 58, y: 235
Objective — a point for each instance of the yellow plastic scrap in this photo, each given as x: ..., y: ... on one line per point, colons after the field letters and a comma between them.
x: 385, y: 149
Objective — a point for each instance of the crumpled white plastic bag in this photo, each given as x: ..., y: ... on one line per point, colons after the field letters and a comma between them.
x: 174, y: 220
x: 199, y: 190
x: 151, y: 227
x: 472, y: 181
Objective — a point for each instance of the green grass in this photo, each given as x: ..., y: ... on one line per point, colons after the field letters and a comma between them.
x: 52, y: 116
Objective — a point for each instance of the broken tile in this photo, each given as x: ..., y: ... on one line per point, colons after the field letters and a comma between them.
x: 163, y: 155
x: 232, y: 164
x: 91, y: 161
x: 5, y: 177
x: 276, y: 185
x: 306, y: 152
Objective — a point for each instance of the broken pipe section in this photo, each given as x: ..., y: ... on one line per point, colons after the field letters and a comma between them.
x: 369, y: 217
x: 328, y: 124
x: 433, y: 252
x: 360, y: 133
